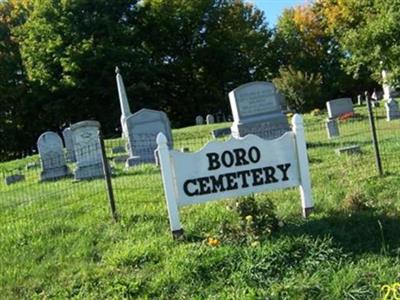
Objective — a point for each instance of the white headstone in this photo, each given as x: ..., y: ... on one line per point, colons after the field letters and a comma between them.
x: 332, y: 128
x: 52, y: 159
x: 210, y: 119
x: 388, y: 90
x: 339, y: 107
x: 123, y: 102
x: 257, y: 110
x: 143, y: 127
x: 359, y: 100
x: 69, y: 144
x: 392, y: 110
x: 199, y: 120
x: 85, y: 137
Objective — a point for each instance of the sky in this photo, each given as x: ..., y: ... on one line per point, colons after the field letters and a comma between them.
x: 273, y: 8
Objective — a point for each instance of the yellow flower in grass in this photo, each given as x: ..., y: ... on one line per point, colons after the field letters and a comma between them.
x: 255, y: 244
x: 249, y: 218
x: 213, y: 242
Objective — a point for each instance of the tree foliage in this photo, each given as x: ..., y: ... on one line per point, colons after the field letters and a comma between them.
x: 302, y: 90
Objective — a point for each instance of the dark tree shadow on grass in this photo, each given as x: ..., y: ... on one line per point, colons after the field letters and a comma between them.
x: 354, y: 232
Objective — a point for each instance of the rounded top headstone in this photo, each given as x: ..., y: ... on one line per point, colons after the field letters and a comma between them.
x: 90, y: 123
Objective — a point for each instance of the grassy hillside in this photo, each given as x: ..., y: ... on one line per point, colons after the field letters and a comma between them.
x: 57, y: 239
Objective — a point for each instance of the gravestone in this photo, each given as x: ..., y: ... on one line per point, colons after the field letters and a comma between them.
x: 256, y: 110
x: 210, y: 119
x: 52, y: 158
x: 121, y: 159
x: 118, y: 149
x: 339, y: 107
x: 123, y: 102
x: 354, y: 149
x: 14, y: 179
x: 199, y: 120
x: 388, y: 90
x: 69, y: 144
x: 220, y: 132
x: 143, y: 128
x: 332, y: 128
x: 392, y: 110
x: 359, y: 100
x: 85, y: 137
x: 31, y: 165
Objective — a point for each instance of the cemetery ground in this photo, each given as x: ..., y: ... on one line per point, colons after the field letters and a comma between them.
x: 57, y: 239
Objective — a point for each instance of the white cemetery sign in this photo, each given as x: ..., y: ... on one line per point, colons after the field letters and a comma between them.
x: 338, y: 107
x: 256, y: 109
x: 52, y: 159
x: 234, y: 168
x: 86, y: 142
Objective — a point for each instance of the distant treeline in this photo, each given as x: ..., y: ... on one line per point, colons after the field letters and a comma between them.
x: 57, y: 58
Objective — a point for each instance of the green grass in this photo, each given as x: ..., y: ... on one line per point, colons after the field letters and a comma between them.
x: 57, y: 239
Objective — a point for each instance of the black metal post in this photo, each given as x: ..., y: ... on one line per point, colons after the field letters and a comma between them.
x: 374, y: 138
x: 107, y: 177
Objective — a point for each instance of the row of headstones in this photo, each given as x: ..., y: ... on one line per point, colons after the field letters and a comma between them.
x: 210, y: 119
x: 255, y: 106
x: 339, y: 107
x: 83, y: 147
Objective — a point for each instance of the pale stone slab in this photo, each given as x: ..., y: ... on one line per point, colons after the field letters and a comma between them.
x: 199, y: 120
x: 118, y: 149
x: 354, y: 149
x: 210, y: 119
x: 332, y: 128
x: 85, y: 136
x: 69, y: 144
x: 14, y: 179
x: 256, y: 109
x: 392, y: 110
x: 52, y: 158
x: 143, y: 127
x: 338, y: 107
x: 220, y: 132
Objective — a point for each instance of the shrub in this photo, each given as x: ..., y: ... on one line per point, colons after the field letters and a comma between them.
x: 301, y: 89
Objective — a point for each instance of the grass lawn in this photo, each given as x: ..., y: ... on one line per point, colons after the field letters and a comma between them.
x: 57, y: 239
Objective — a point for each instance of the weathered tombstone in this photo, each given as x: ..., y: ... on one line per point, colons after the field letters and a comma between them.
x: 388, y: 90
x: 143, y: 127
x: 31, y: 165
x: 69, y: 144
x: 220, y: 132
x: 354, y: 149
x: 332, y: 128
x: 359, y: 100
x: 338, y: 107
x: 256, y: 109
x: 14, y: 179
x: 52, y: 158
x: 199, y: 120
x: 85, y: 137
x: 210, y: 119
x: 123, y: 102
x: 392, y: 110
x: 121, y: 159
x: 118, y: 149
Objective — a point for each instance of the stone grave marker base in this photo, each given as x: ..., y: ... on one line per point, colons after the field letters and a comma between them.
x: 89, y: 172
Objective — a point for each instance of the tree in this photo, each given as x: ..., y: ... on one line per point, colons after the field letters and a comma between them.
x: 308, y: 44
x: 198, y: 51
x: 368, y: 33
